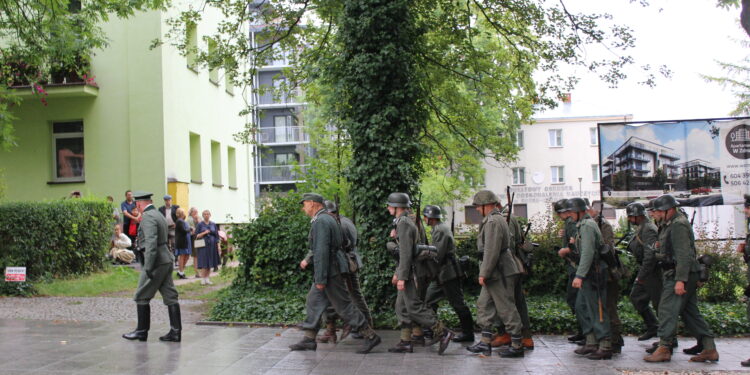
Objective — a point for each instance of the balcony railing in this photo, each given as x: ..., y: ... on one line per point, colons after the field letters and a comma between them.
x: 287, y: 134
x: 273, y: 97
x: 281, y: 173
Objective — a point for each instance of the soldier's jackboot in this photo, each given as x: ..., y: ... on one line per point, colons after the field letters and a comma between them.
x: 307, y: 343
x: 175, y: 324
x: 371, y: 340
x: 515, y: 350
x: 467, y: 330
x: 345, y: 331
x: 144, y: 323
x: 483, y: 347
x: 577, y: 337
x: 501, y: 340
x: 695, y: 349
x: 329, y: 335
x: 652, y: 325
x: 662, y: 354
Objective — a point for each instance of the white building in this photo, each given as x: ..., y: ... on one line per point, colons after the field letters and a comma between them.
x: 559, y: 158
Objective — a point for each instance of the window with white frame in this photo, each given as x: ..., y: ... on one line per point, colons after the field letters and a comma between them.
x: 557, y: 174
x: 67, y: 140
x: 595, y: 172
x: 518, y: 139
x: 283, y: 128
x: 594, y: 135
x: 555, y: 138
x: 519, y: 176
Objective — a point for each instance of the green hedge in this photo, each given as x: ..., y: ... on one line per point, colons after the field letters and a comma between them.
x: 53, y: 239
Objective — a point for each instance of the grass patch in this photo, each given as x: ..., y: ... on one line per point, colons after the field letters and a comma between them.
x: 113, y: 279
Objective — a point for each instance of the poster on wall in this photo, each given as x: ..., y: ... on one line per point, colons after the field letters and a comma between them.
x: 704, y: 164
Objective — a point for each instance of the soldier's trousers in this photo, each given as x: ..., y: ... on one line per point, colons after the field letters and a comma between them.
x: 615, y: 325
x: 160, y: 281
x: 671, y: 306
x: 334, y: 294
x: 523, y: 311
x: 643, y: 294
x: 570, y: 292
x: 592, y: 313
x: 451, y: 291
x: 497, y: 300
x: 411, y: 310
x: 355, y: 292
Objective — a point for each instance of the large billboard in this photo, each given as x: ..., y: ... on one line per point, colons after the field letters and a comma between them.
x: 705, y: 164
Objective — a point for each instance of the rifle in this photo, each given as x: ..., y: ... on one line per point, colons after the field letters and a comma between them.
x: 692, y: 219
x: 510, y: 202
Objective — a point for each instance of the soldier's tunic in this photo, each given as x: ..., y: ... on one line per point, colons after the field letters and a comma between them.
x: 158, y: 260
x: 410, y: 309
x: 501, y: 273
x: 570, y: 230
x: 613, y: 285
x: 647, y: 287
x: 591, y: 301
x: 516, y: 234
x: 325, y: 240
x: 676, y: 254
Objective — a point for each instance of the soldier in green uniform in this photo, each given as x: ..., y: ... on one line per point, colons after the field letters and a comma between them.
x: 425, y: 271
x: 156, y: 272
x: 676, y: 257
x: 570, y: 254
x: 447, y: 284
x: 329, y: 289
x: 410, y: 309
x: 647, y: 286
x: 498, y: 274
x: 742, y: 248
x: 591, y: 282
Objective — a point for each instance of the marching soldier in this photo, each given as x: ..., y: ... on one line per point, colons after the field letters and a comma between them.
x: 447, y: 284
x: 676, y: 257
x: 742, y: 248
x: 156, y: 272
x: 498, y: 274
x: 329, y: 289
x: 410, y: 309
x: 647, y: 286
x: 570, y: 254
x: 591, y: 282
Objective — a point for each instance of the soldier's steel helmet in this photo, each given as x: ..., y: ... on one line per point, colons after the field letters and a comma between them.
x: 483, y: 197
x: 577, y: 205
x: 331, y: 206
x: 432, y: 212
x: 399, y: 200
x: 635, y: 209
x: 561, y: 206
x: 664, y: 203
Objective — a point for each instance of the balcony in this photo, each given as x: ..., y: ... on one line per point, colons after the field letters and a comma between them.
x: 283, y: 135
x: 271, y: 99
x: 281, y: 174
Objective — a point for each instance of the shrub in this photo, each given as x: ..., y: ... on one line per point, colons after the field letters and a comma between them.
x: 54, y: 239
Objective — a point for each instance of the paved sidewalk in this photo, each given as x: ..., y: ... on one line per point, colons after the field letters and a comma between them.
x: 64, y: 347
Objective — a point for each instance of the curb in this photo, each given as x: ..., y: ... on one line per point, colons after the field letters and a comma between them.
x: 243, y: 324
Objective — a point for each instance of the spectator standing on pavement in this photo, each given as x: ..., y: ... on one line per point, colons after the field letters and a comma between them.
x: 182, y: 242
x: 119, y: 247
x: 206, y: 239
x: 126, y: 207
x: 193, y: 221
x: 170, y: 213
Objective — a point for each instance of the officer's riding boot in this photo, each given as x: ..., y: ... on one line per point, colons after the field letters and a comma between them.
x: 662, y: 354
x: 371, y: 339
x: 404, y: 345
x: 515, y: 350
x: 652, y: 325
x: 483, y: 347
x: 708, y: 353
x: 329, y: 335
x: 467, y: 330
x: 604, y: 351
x: 175, y: 324
x: 501, y: 340
x: 307, y: 342
x: 418, y: 335
x: 591, y: 346
x: 144, y: 323
x: 695, y: 349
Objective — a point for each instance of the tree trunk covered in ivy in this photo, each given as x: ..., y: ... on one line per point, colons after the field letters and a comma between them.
x: 382, y: 109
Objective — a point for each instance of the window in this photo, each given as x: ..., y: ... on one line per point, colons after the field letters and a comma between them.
x: 232, y: 167
x: 285, y: 159
x: 519, y: 176
x: 595, y: 172
x: 216, y: 164
x: 280, y: 85
x: 555, y: 138
x: 558, y: 175
x: 213, y: 73
x: 471, y: 215
x: 195, y: 159
x: 67, y: 138
x: 282, y: 128
x: 521, y: 210
x: 518, y: 139
x: 191, y: 45
x: 594, y: 134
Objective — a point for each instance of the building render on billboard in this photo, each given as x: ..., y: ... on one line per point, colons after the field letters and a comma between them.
x: 642, y: 158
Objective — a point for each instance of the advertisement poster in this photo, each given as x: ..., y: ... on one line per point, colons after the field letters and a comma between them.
x: 704, y: 164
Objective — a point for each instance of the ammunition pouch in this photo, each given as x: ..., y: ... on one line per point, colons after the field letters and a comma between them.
x: 426, y: 252
x: 666, y: 265
x: 464, y: 263
x: 705, y: 262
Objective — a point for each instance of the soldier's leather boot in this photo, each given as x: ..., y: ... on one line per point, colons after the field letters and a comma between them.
x: 600, y: 354
x: 418, y: 340
x: 514, y: 351
x: 695, y: 349
x: 527, y: 343
x: 483, y: 347
x: 501, y: 340
x: 662, y: 354
x: 586, y: 349
x: 329, y: 335
x: 710, y: 355
x: 402, y: 347
x: 577, y: 337
x: 652, y: 325
x: 345, y: 331
x: 175, y: 324
x: 307, y: 343
x: 745, y: 363
x: 357, y: 336
x: 371, y: 340
x: 144, y: 323
x: 467, y: 329
x: 464, y: 337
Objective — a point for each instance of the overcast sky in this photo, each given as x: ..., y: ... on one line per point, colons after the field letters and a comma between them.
x: 687, y: 36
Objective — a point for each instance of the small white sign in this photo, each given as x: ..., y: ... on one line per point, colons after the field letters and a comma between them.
x: 16, y: 274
